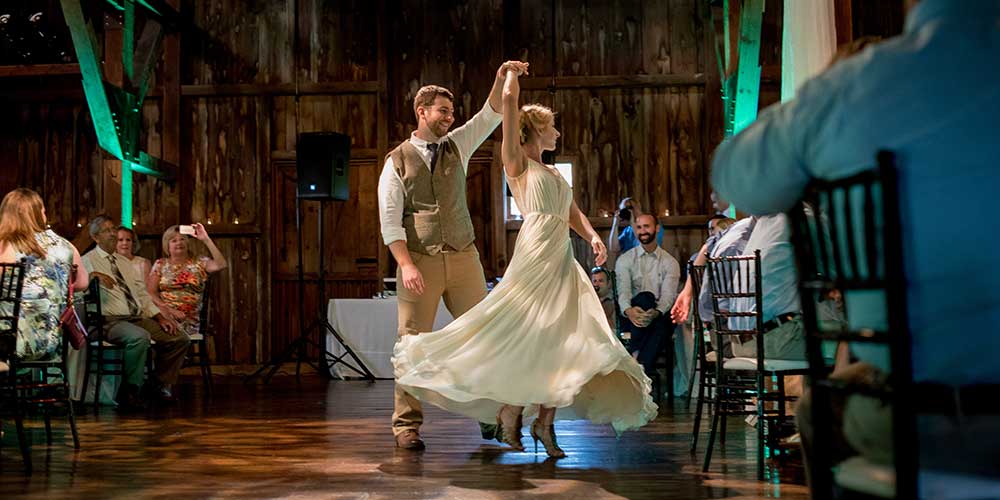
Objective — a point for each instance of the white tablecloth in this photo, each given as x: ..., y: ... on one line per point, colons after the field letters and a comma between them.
x: 369, y: 326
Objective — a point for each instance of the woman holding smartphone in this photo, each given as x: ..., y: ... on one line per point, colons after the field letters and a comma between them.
x: 177, y: 281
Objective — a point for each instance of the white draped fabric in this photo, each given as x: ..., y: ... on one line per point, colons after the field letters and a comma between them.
x: 809, y: 41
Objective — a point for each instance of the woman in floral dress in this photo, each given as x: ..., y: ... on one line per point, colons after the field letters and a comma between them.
x: 49, y: 259
x: 177, y: 281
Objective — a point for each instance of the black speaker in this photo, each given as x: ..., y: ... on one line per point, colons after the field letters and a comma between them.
x: 322, y: 165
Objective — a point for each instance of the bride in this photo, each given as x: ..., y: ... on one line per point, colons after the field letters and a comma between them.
x: 538, y: 345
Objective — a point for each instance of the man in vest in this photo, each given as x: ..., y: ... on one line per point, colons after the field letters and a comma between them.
x: 426, y: 223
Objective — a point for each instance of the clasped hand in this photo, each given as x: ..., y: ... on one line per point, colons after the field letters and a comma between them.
x: 641, y: 318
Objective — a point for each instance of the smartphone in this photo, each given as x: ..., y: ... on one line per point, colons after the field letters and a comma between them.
x: 185, y: 229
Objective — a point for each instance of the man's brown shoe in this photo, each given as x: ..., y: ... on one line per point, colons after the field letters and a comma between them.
x: 409, y: 440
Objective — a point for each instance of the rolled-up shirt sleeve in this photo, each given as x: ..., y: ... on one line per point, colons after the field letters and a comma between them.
x: 471, y: 135
x: 668, y: 287
x: 390, y: 204
x: 623, y: 277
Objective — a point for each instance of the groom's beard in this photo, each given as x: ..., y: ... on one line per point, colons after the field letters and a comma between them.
x: 645, y: 238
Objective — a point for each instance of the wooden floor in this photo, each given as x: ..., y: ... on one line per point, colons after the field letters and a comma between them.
x: 322, y: 439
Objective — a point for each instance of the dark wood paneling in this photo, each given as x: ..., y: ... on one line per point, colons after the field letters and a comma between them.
x: 235, y: 41
x: 337, y: 40
x: 635, y: 90
x: 227, y: 143
x: 456, y: 45
x: 52, y: 149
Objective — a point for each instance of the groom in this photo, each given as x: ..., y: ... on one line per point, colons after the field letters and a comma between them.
x: 427, y: 227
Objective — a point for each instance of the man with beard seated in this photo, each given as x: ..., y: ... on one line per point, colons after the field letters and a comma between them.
x: 647, y: 285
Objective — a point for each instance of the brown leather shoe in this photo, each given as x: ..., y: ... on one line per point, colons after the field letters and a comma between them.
x: 409, y: 440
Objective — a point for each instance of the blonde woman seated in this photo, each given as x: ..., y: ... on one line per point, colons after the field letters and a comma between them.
x: 127, y: 246
x: 176, y: 282
x: 49, y: 259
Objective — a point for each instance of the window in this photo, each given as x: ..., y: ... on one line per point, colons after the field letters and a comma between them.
x: 565, y: 168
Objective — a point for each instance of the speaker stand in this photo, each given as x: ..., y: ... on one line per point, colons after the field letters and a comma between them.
x: 297, y: 350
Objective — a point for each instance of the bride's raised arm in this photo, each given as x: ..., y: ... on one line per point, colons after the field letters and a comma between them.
x: 510, y: 150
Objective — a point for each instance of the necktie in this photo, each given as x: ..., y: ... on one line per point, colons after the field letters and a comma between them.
x: 434, y: 154
x: 133, y: 306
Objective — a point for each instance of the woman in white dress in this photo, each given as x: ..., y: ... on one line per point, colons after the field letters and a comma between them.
x: 538, y: 345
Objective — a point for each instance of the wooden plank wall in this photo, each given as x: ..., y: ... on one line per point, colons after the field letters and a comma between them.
x: 634, y: 83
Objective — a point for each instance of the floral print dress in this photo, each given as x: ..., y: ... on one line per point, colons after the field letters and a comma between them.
x: 43, y: 297
x: 181, y: 287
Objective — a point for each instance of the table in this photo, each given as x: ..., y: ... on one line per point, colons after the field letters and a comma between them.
x: 370, y: 327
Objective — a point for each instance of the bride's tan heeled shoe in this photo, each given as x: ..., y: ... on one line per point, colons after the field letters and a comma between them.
x: 510, y: 435
x: 547, y: 435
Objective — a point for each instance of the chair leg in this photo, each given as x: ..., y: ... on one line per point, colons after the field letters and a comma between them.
x: 699, y: 405
x: 722, y: 436
x: 716, y: 415
x: 696, y: 368
x: 22, y: 442
x: 781, y: 411
x: 761, y: 423
x: 86, y: 378
x: 48, y: 426
x: 206, y: 369
x: 97, y: 384
x: 71, y: 416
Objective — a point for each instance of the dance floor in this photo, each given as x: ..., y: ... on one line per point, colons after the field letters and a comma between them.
x: 321, y: 439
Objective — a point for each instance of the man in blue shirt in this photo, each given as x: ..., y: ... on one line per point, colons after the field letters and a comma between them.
x: 931, y: 96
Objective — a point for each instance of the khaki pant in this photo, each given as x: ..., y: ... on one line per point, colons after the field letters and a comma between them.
x: 135, y: 334
x: 457, y: 277
x: 787, y: 341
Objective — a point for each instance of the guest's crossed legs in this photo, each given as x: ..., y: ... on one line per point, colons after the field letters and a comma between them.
x: 134, y: 334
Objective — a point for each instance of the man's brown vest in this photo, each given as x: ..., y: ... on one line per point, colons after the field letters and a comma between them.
x: 435, y: 213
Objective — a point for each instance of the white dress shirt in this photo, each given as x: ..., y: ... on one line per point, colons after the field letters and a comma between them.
x: 113, y: 302
x: 392, y: 193
x: 640, y: 271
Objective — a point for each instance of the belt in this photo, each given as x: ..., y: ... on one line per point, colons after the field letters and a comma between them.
x: 943, y: 399
x: 779, y: 320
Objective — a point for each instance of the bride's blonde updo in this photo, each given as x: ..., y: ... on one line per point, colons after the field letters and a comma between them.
x: 534, y: 117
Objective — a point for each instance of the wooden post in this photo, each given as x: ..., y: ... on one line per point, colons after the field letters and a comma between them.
x: 171, y: 117
x: 112, y: 192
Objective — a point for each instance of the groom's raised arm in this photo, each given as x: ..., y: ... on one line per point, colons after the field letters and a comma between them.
x: 471, y: 135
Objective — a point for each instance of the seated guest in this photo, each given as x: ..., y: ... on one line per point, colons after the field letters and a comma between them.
x: 718, y: 229
x: 132, y: 319
x: 784, y: 333
x: 647, y: 279
x: 128, y: 245
x: 601, y: 280
x: 177, y: 281
x: 623, y: 236
x: 50, y: 260
x: 946, y: 151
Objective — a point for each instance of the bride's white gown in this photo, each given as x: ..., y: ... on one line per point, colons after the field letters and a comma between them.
x: 540, y: 337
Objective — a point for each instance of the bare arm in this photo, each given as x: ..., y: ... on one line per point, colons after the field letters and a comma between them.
x: 614, y: 248
x: 581, y: 224
x: 82, y: 276
x: 510, y: 150
x: 218, y: 261
x: 413, y: 280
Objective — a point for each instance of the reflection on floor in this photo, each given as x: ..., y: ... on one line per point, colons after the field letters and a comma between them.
x: 322, y: 439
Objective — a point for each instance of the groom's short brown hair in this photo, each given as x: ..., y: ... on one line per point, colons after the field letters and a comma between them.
x: 426, y: 95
